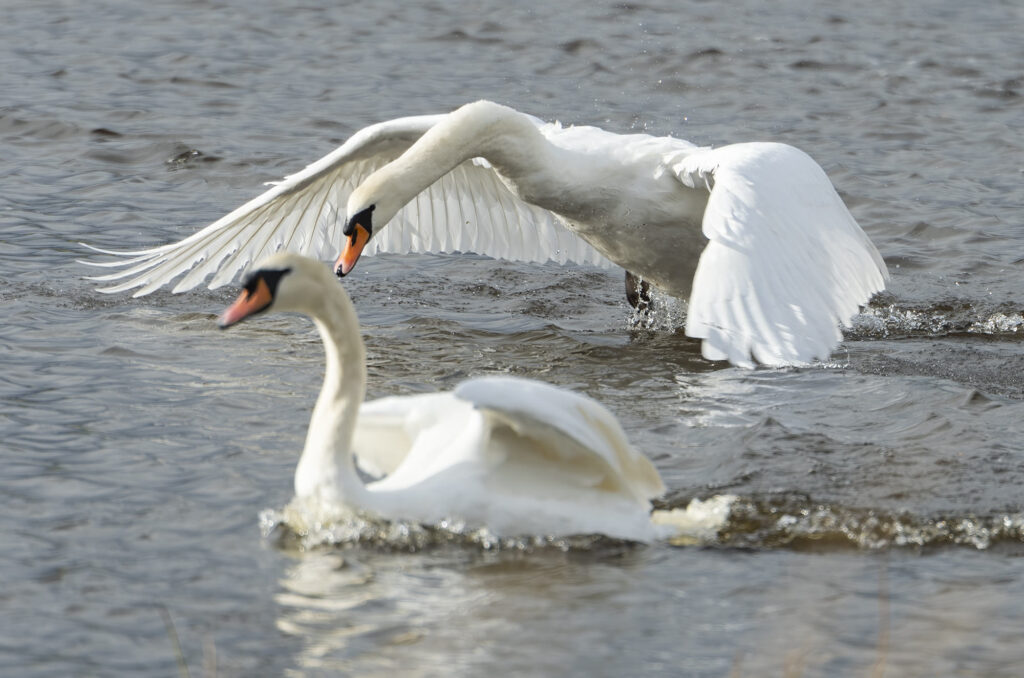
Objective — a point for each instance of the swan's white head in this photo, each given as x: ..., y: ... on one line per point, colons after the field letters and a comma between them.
x: 370, y: 207
x: 376, y: 201
x: 282, y: 282
x: 358, y: 231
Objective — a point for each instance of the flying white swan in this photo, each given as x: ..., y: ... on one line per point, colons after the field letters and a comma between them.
x: 516, y: 456
x: 753, y: 235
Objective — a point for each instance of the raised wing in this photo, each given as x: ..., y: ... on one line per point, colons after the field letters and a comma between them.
x: 786, y: 264
x: 468, y: 210
x: 291, y: 216
x: 584, y: 434
x: 382, y: 438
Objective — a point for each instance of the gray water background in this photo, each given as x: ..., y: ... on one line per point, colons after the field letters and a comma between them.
x: 879, y: 524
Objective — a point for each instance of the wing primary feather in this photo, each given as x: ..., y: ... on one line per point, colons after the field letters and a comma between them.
x: 499, y: 190
x: 117, y: 263
x: 464, y: 183
x: 155, y: 266
x: 298, y: 225
x: 445, y: 178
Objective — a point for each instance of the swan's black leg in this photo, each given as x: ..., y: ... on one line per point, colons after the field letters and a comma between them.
x: 638, y: 292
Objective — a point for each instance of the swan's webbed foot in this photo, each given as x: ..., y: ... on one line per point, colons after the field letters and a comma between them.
x: 638, y: 293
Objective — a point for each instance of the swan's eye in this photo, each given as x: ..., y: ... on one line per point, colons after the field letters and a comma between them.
x: 250, y: 282
x: 363, y: 218
x: 272, y: 278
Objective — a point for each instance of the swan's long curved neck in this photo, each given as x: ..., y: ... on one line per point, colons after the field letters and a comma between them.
x: 326, y: 469
x: 508, y: 140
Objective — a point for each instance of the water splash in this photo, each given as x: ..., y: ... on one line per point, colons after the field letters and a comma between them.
x: 878, y: 321
x: 306, y: 525
x: 665, y: 314
x: 723, y: 520
x: 935, y: 321
x: 801, y: 524
x: 303, y: 525
x: 999, y: 323
x: 698, y: 523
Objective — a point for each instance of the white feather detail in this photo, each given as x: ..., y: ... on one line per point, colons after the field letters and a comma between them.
x: 471, y: 210
x: 786, y: 265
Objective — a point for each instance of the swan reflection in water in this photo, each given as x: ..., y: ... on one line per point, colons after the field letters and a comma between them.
x: 446, y: 610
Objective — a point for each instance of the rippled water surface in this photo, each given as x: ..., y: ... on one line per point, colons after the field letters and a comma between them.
x: 879, y: 514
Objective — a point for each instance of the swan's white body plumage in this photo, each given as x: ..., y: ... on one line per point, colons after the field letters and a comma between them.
x: 752, y: 234
x: 516, y: 456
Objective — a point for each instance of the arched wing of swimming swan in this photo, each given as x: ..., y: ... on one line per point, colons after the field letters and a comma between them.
x: 577, y: 433
x: 469, y: 210
x: 786, y: 264
x: 386, y: 430
x: 580, y: 436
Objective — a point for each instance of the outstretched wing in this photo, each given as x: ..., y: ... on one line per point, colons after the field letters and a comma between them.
x: 469, y: 210
x: 580, y: 431
x: 293, y: 215
x: 786, y: 264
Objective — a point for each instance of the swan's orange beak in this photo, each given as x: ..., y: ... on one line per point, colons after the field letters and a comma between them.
x: 247, y: 304
x: 353, y: 248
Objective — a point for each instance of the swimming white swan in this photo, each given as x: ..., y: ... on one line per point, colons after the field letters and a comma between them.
x: 516, y: 456
x: 752, y: 234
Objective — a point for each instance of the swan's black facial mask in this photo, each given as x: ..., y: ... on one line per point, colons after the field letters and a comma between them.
x: 358, y: 229
x: 258, y: 292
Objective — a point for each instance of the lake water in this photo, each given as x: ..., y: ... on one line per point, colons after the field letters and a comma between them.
x: 879, y: 518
